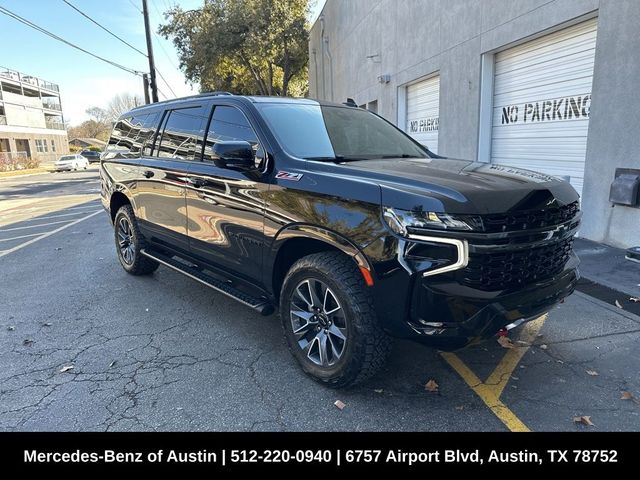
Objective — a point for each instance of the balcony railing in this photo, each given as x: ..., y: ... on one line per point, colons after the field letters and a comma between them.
x: 3, y: 120
x: 28, y: 79
x: 55, y: 124
x: 51, y: 104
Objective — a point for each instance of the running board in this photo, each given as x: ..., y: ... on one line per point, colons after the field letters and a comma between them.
x: 260, y: 305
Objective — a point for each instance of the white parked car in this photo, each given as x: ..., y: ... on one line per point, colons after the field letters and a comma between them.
x: 71, y: 162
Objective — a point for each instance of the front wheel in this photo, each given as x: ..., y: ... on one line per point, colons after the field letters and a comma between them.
x: 129, y: 243
x: 330, y: 322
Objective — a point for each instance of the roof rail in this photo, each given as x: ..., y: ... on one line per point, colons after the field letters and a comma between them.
x: 191, y: 97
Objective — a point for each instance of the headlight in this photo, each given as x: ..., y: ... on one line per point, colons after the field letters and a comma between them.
x: 402, y: 221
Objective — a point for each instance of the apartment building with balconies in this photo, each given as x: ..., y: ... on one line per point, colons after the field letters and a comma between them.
x: 32, y: 127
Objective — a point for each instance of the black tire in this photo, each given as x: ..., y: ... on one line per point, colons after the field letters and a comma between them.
x: 132, y: 260
x: 367, y: 345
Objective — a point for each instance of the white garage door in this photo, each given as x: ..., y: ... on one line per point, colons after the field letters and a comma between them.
x: 423, y: 112
x: 542, y: 102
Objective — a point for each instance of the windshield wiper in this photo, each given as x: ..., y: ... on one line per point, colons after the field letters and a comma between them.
x: 401, y: 156
x: 337, y: 159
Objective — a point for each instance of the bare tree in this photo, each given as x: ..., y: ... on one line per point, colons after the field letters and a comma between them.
x: 97, y: 114
x: 122, y: 103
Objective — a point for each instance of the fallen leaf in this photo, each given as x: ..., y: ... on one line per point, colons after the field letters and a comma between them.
x: 584, y: 420
x: 523, y: 367
x: 100, y: 258
x: 560, y: 362
x: 618, y: 304
x: 113, y: 363
x: 628, y: 396
x: 505, y: 342
x: 11, y: 328
x: 539, y: 336
x: 27, y: 342
x: 379, y: 390
x: 634, y: 300
x: 460, y: 408
x: 593, y: 373
x: 340, y: 405
x: 515, y: 378
x: 526, y: 344
x: 58, y: 249
x: 47, y: 324
x: 66, y: 368
x: 89, y: 233
x: 431, y: 386
x: 544, y: 347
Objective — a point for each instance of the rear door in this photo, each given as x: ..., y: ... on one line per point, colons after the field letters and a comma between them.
x: 162, y: 175
x: 226, y: 207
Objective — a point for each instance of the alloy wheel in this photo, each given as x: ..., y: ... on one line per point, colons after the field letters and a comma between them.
x: 126, y: 243
x: 319, y: 323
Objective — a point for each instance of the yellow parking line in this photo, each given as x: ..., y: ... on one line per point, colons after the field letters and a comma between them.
x: 490, y: 390
x: 501, y: 375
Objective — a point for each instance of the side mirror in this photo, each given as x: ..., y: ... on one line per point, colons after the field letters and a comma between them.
x: 234, y: 155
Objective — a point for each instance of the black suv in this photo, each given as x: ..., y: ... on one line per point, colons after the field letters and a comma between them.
x: 332, y: 216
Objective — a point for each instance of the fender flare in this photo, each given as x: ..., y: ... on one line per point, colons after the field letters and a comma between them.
x: 324, y: 235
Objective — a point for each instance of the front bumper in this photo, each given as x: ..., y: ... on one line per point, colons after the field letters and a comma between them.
x: 451, y: 316
x: 443, y: 312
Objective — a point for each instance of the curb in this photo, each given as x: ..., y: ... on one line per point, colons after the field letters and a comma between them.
x: 22, y: 173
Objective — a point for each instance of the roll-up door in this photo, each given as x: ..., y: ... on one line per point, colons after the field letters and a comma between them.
x: 423, y: 112
x: 542, y: 102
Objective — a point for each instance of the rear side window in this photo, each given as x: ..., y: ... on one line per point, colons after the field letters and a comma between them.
x: 129, y: 136
x: 228, y: 124
x: 183, y: 131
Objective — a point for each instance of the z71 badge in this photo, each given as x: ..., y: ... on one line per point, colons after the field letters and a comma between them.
x: 292, y: 177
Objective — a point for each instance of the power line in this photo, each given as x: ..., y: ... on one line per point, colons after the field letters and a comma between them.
x: 164, y: 50
x: 135, y: 6
x: 103, y: 27
x: 166, y: 83
x: 30, y: 24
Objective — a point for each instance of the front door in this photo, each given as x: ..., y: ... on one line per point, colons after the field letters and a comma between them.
x: 162, y: 175
x: 226, y: 207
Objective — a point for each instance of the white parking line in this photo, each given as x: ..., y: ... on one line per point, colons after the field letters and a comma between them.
x: 48, y: 234
x: 32, y: 226
x: 53, y: 216
x: 18, y: 238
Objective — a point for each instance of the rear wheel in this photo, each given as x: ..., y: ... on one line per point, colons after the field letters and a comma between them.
x: 329, y: 321
x: 129, y: 243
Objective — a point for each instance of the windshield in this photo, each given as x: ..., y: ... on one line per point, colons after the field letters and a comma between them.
x: 68, y: 157
x: 318, y: 132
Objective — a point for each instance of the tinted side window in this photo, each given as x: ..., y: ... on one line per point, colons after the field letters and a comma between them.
x: 228, y: 124
x: 120, y: 131
x: 134, y: 138
x: 182, y: 132
x: 148, y: 132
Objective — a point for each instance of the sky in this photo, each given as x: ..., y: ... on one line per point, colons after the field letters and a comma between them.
x: 84, y: 81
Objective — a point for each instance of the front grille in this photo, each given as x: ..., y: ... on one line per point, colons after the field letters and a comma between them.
x: 506, y: 270
x: 529, y: 219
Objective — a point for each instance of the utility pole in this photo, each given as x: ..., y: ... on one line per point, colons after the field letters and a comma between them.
x: 152, y: 63
x: 145, y: 83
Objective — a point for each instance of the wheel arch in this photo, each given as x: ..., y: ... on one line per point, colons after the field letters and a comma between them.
x: 118, y: 198
x: 298, y: 241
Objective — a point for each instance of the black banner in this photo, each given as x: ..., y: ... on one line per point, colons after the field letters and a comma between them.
x: 238, y: 452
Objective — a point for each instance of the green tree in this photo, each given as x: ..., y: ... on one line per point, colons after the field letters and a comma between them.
x: 250, y: 47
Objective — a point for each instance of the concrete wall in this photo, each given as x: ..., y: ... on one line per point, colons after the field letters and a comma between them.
x: 410, y: 39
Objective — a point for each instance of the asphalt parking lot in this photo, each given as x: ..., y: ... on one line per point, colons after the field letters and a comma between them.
x: 85, y: 347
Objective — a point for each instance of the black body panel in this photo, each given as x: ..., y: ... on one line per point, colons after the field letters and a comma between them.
x: 245, y: 222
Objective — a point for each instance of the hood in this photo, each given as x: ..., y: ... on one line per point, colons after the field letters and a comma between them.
x: 459, y: 186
